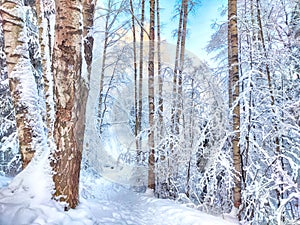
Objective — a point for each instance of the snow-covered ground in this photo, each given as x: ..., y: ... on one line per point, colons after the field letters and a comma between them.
x: 101, y: 202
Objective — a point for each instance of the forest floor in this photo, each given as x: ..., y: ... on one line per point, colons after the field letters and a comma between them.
x: 101, y: 202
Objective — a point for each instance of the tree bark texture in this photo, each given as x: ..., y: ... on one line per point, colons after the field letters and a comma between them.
x: 88, y: 23
x: 160, y: 79
x: 151, y: 160
x: 234, y: 77
x: 7, y: 115
x: 43, y: 15
x: 22, y: 83
x: 141, y: 65
x: 71, y: 95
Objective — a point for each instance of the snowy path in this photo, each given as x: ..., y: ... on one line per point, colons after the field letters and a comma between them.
x: 102, y: 203
x: 124, y: 207
x: 144, y: 211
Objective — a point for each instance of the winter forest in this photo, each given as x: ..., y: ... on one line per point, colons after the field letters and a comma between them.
x: 103, y: 121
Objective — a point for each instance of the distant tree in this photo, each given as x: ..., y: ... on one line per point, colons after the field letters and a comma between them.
x: 174, y: 113
x: 295, y: 28
x: 179, y: 71
x: 88, y: 34
x: 140, y: 85
x: 159, y: 73
x: 34, y: 48
x: 45, y: 12
x: 134, y: 43
x: 234, y: 92
x: 114, y: 30
x: 151, y: 159
x: 295, y: 20
x: 177, y: 91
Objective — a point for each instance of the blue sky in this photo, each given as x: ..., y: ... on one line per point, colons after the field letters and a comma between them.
x: 199, y: 24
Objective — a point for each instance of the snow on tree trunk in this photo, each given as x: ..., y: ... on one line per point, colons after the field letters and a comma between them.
x: 22, y: 82
x: 44, y: 13
x: 8, y: 137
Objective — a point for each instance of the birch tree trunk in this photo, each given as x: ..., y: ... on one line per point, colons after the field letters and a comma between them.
x: 43, y: 21
x: 234, y: 77
x: 71, y: 95
x: 151, y: 160
x: 112, y: 12
x: 229, y: 60
x: 185, y: 5
x: 175, y: 76
x: 160, y: 79
x: 88, y: 39
x: 141, y: 65
x: 21, y: 80
x: 136, y: 127
x: 7, y: 115
x: 172, y: 158
x: 177, y: 92
x: 103, y: 67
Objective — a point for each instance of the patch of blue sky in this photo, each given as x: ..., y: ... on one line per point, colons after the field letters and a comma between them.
x: 199, y: 24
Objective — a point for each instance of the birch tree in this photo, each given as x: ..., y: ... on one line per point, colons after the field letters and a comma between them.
x: 159, y: 73
x: 234, y: 86
x: 7, y: 116
x: 71, y: 94
x: 268, y: 130
x: 135, y: 71
x: 151, y: 159
x: 29, y: 121
x: 140, y: 84
x: 45, y: 11
x: 88, y: 31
